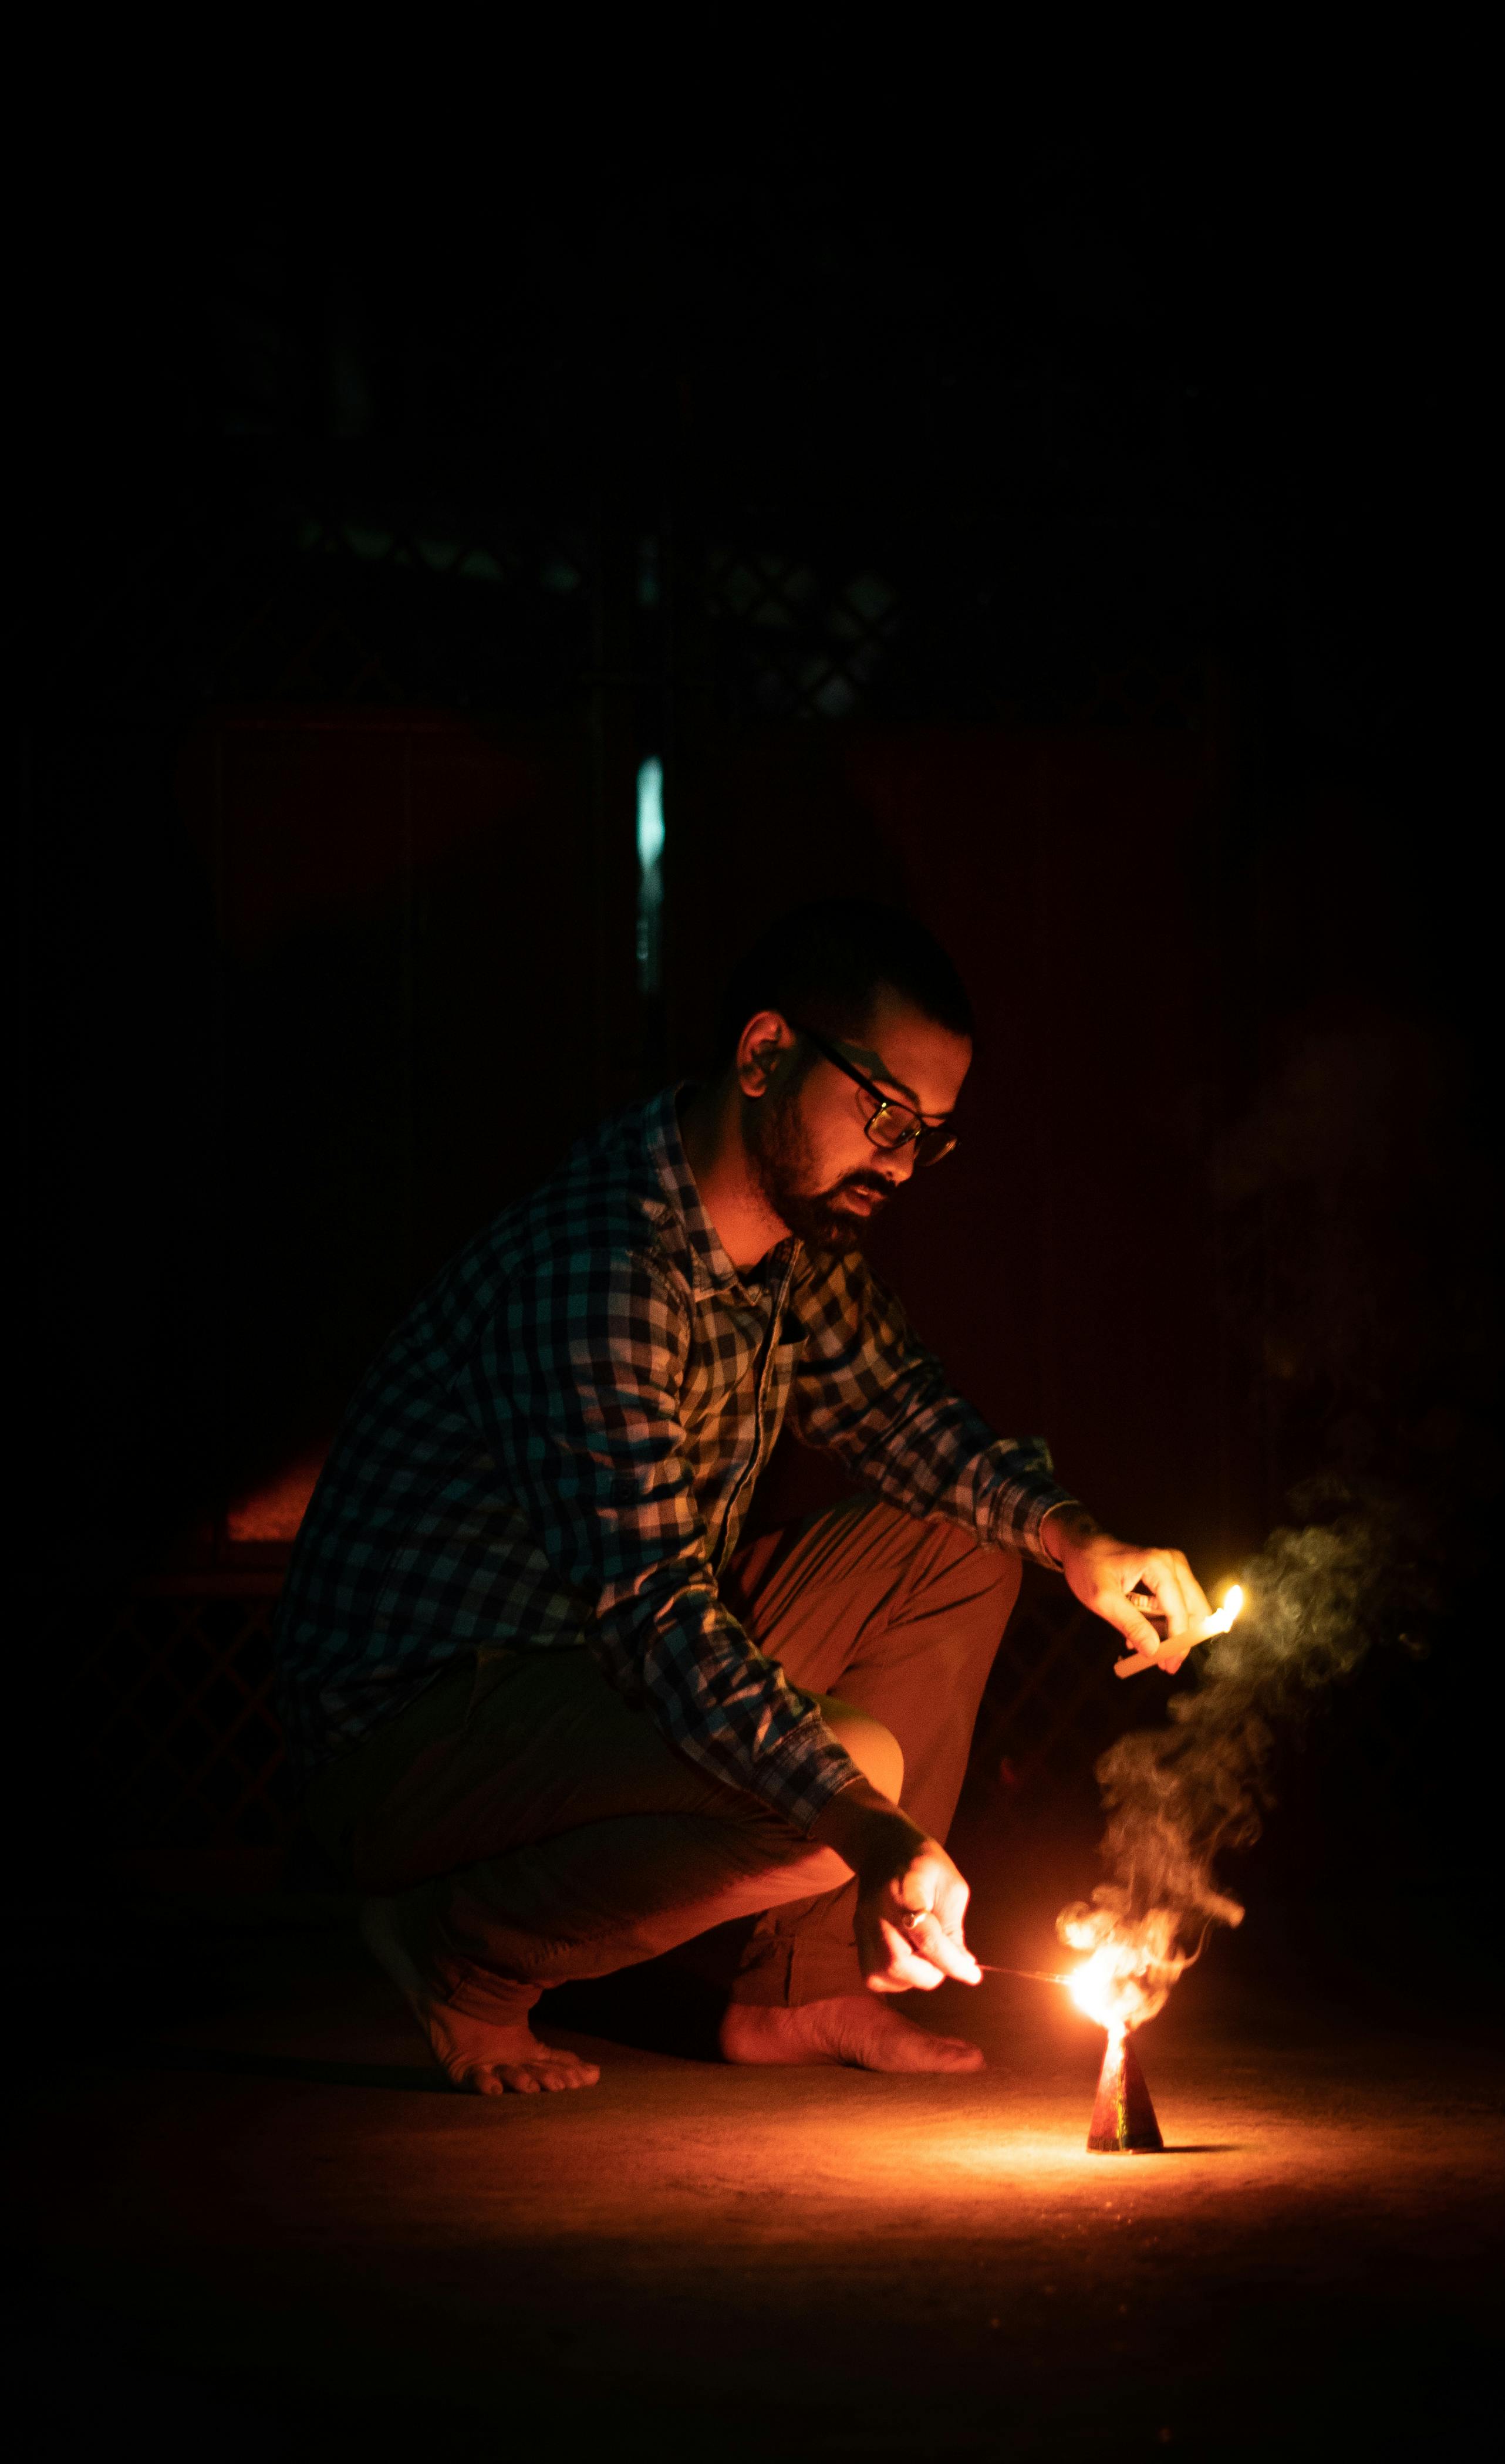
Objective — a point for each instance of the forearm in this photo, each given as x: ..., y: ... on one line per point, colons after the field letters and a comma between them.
x: 693, y: 1672
x: 884, y: 1405
x: 868, y: 1832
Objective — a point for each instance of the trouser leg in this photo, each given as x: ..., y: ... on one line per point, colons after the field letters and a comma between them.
x: 902, y: 1619
x: 546, y: 1831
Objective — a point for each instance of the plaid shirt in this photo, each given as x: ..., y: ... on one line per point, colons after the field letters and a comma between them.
x: 559, y: 1443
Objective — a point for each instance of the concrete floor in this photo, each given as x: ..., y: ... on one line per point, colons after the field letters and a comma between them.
x: 263, y: 2227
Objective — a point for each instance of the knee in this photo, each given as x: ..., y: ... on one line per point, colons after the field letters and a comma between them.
x: 872, y: 1748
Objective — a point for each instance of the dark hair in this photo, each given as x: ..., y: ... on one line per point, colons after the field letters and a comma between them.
x: 821, y: 965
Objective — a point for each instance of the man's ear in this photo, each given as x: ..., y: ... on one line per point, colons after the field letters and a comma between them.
x: 759, y: 1047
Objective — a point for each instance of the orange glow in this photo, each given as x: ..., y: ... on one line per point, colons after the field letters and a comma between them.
x: 1223, y: 1619
x: 1131, y: 1968
x: 274, y: 1511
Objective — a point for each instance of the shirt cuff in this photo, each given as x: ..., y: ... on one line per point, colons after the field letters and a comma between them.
x: 801, y: 1775
x: 1020, y: 1505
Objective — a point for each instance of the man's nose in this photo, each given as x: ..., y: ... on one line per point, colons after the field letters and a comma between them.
x: 901, y: 1163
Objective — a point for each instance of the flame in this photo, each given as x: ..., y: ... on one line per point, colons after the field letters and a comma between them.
x: 1200, y: 1630
x: 1132, y: 1966
x: 1220, y: 1623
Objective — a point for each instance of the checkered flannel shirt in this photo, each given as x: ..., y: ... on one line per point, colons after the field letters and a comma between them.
x: 559, y: 1443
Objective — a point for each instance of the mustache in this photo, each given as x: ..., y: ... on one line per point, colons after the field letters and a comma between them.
x: 873, y: 1182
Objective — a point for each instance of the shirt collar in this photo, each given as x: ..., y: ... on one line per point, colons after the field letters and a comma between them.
x: 711, y: 1269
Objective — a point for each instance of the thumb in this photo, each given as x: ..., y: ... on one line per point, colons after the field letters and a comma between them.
x: 1136, y: 1630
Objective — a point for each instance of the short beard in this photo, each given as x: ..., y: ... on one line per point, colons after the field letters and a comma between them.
x: 779, y: 1150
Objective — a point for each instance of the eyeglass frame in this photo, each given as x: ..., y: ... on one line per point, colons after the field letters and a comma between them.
x: 922, y: 1129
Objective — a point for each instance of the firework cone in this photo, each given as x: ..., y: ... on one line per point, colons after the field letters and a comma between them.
x: 1123, y: 2118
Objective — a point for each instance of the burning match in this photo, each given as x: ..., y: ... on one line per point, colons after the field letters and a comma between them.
x: 1202, y: 1631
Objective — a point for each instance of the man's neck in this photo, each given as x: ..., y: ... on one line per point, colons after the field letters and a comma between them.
x: 710, y: 1130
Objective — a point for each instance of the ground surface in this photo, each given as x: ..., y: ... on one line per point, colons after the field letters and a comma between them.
x: 263, y: 2227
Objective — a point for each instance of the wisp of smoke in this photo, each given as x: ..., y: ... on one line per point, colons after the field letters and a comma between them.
x: 1179, y: 1794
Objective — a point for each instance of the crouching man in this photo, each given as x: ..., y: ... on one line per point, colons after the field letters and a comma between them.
x: 558, y: 1721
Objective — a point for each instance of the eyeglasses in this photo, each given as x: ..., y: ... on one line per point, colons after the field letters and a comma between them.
x: 891, y: 1126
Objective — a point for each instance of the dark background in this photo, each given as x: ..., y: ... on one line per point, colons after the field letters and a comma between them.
x: 1068, y: 533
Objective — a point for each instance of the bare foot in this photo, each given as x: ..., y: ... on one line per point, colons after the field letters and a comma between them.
x: 855, y: 2028
x: 484, y: 2056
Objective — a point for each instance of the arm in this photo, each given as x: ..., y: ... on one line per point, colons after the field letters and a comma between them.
x: 870, y: 1390
x: 867, y: 1389
x: 575, y: 1382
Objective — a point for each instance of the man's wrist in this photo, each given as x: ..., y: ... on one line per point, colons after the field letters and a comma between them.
x: 868, y: 1832
x: 1065, y: 1526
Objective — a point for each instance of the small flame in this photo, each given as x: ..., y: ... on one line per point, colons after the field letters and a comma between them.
x: 1131, y: 1968
x: 1232, y: 1603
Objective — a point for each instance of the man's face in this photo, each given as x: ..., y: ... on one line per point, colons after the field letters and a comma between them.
x: 807, y: 1132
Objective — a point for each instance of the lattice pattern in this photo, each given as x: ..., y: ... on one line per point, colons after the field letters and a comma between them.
x: 174, y: 1695
x: 253, y: 591
x: 793, y: 644
x: 791, y: 640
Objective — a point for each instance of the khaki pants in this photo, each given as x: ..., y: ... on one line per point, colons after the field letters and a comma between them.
x: 549, y: 1831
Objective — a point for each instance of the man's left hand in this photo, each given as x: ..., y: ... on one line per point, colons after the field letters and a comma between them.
x: 1103, y: 1571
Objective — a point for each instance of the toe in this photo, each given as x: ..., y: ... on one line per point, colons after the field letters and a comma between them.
x: 575, y: 2073
x: 961, y: 2056
x: 477, y: 2079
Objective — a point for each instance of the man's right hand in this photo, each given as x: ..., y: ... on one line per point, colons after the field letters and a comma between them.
x: 900, y: 1874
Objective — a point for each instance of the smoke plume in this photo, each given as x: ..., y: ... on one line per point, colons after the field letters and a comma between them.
x: 1178, y: 1795
x: 1360, y: 1184
x: 1373, y: 1336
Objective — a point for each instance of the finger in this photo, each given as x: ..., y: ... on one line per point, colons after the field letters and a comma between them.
x: 943, y: 1949
x: 1177, y: 1580
x: 1167, y: 1661
x: 1136, y: 1630
x: 907, y: 1969
x: 1158, y: 1576
x: 907, y: 1966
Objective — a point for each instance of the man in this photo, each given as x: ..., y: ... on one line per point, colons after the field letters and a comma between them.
x: 559, y: 1723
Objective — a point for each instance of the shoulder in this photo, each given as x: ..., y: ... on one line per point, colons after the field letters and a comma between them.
x: 603, y: 1214
x: 600, y: 1222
